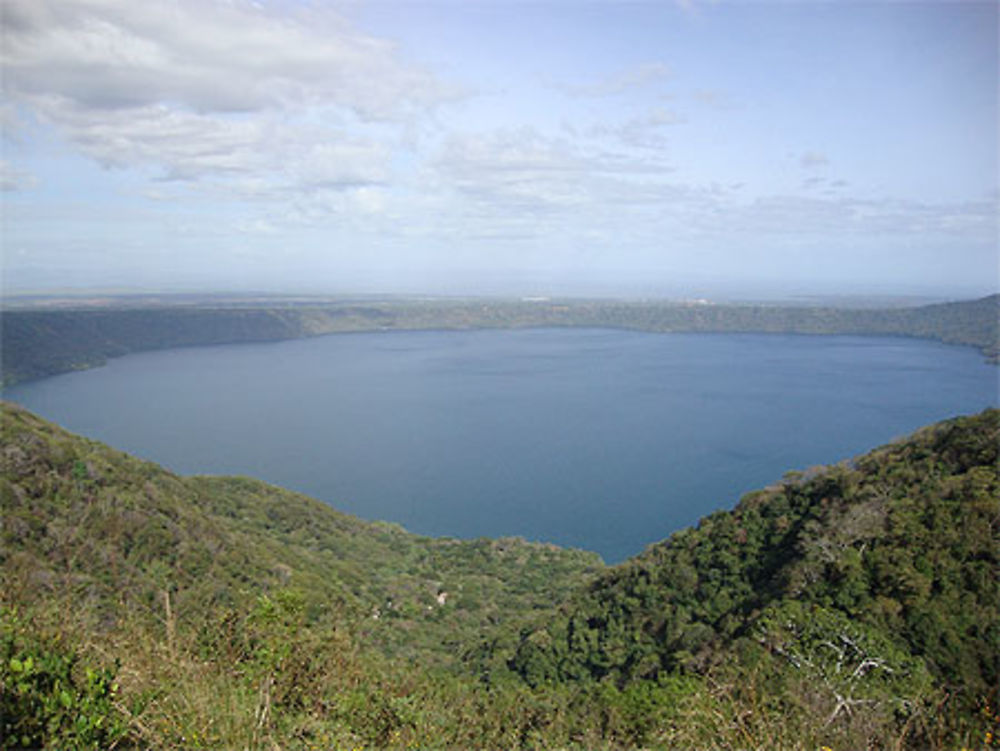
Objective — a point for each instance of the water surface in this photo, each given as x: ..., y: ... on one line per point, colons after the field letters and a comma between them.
x: 605, y: 440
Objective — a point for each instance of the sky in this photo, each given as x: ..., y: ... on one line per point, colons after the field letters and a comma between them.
x: 500, y: 147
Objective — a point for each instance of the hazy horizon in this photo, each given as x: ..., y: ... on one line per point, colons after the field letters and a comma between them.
x: 713, y: 294
x: 601, y: 148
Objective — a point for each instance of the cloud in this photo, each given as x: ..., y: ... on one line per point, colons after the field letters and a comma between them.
x: 820, y: 183
x: 516, y: 167
x: 256, y: 227
x: 813, y: 160
x: 205, y: 55
x: 830, y: 217
x: 12, y: 178
x: 620, y: 82
x: 527, y: 170
x: 713, y: 99
x: 644, y: 131
x: 524, y: 178
x: 212, y: 90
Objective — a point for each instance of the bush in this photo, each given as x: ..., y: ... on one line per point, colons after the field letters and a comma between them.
x: 49, y: 698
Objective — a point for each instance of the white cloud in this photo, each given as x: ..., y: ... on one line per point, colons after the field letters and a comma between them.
x: 513, y: 167
x: 206, y: 55
x: 645, y: 131
x: 832, y: 217
x: 713, y: 99
x: 186, y: 144
x: 813, y: 160
x: 12, y: 178
x: 336, y: 161
x: 256, y: 227
x: 529, y: 171
x: 620, y: 82
x: 211, y: 90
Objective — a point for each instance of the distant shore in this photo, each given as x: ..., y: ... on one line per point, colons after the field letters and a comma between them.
x: 58, y: 335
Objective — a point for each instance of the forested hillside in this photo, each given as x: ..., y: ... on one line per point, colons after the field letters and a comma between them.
x: 35, y: 343
x: 852, y: 606
x: 898, y: 549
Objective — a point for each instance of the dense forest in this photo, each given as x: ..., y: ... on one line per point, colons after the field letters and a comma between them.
x: 39, y: 342
x: 850, y: 606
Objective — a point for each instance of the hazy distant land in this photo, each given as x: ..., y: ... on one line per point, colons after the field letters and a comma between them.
x: 57, y: 336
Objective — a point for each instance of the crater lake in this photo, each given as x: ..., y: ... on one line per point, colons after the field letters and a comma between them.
x: 601, y: 439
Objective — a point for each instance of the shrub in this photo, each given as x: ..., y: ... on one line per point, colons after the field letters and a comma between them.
x: 49, y: 697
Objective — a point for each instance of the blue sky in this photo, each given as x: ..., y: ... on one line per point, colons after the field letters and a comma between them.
x: 500, y: 146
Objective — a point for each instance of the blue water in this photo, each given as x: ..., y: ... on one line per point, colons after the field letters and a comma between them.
x: 605, y: 440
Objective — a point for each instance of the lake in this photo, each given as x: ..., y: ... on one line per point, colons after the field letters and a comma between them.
x: 605, y: 440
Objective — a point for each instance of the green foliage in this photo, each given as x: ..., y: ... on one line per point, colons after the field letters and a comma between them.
x: 849, y: 606
x: 849, y: 663
x: 641, y: 712
x: 49, y: 697
x: 902, y: 545
x: 129, y: 533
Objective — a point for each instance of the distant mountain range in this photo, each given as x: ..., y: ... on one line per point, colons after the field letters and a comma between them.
x: 851, y: 606
x: 38, y: 342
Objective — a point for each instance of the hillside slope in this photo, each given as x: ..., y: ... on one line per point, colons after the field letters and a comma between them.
x: 853, y: 606
x: 84, y: 521
x: 899, y: 548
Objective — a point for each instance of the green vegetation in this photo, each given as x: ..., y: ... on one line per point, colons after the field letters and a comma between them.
x: 39, y: 342
x: 886, y: 567
x: 853, y: 606
x: 46, y: 699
